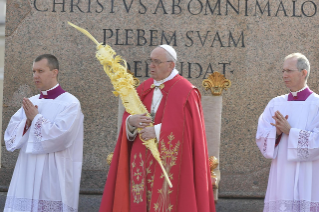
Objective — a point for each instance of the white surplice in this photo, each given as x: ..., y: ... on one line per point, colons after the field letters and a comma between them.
x: 293, y: 183
x: 48, y: 170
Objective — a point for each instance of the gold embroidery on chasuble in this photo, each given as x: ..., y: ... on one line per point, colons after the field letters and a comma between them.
x: 138, y: 179
x: 142, y: 177
x: 169, y: 155
x: 150, y: 182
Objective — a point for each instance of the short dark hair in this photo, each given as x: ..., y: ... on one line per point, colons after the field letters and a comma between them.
x: 53, y: 62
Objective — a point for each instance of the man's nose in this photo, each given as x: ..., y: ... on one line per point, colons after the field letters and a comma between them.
x: 151, y: 65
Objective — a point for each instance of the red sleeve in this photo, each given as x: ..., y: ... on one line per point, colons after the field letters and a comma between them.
x: 26, y: 127
x: 278, y: 140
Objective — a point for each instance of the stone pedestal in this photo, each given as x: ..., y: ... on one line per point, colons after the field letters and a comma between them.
x: 212, y: 108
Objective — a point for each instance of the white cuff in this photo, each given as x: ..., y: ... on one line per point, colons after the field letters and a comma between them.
x: 157, y: 129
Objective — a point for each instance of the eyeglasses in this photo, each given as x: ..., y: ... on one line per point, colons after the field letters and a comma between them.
x: 288, y: 70
x: 155, y: 61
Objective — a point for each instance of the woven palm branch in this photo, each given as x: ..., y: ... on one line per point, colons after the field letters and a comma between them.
x: 115, y: 67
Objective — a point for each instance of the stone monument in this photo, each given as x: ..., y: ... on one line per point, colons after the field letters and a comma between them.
x: 2, y: 46
x: 246, y: 40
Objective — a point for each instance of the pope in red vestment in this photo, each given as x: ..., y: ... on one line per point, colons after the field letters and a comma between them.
x: 135, y: 181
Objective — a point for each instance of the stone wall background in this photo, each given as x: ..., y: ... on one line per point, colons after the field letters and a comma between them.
x: 254, y: 67
x: 2, y: 47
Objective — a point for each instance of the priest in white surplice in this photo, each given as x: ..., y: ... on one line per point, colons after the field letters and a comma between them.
x: 48, y: 130
x: 288, y: 133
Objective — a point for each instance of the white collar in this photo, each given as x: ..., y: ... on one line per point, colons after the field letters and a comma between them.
x: 171, y: 76
x: 46, y: 92
x: 295, y: 93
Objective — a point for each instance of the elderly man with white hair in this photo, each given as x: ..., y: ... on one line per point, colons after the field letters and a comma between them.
x: 135, y: 181
x: 288, y: 133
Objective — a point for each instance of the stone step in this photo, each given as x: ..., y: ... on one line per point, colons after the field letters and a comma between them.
x: 91, y: 203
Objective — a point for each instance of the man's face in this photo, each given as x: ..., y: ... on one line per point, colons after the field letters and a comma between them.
x: 43, y: 77
x: 293, y: 79
x: 163, y: 69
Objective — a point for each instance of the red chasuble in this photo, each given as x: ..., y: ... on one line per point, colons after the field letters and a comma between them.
x: 135, y: 181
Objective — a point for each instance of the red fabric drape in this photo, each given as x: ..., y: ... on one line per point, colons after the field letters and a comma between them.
x: 184, y: 154
x: 116, y: 192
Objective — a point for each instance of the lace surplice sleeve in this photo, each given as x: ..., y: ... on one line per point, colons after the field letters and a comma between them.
x: 303, y: 145
x: 266, y: 133
x: 47, y: 136
x: 13, y: 136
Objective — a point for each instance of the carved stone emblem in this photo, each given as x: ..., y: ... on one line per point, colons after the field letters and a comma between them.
x: 109, y: 158
x: 216, y: 82
x: 213, y: 164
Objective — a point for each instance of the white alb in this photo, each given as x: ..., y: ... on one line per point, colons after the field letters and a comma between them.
x: 294, y: 173
x: 48, y: 170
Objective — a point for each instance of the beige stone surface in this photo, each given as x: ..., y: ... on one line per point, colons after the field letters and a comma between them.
x: 2, y: 47
x: 212, y: 108
x: 234, y: 37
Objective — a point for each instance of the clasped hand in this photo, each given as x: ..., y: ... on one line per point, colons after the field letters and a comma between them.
x: 143, y: 121
x: 281, y: 123
x: 30, y: 110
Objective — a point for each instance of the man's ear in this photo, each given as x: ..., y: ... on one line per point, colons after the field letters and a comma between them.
x: 172, y: 65
x: 55, y: 72
x: 304, y: 73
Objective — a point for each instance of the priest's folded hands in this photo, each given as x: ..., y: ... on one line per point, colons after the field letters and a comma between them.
x: 282, y: 125
x: 30, y: 110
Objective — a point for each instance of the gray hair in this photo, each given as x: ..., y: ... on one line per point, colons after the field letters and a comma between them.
x: 302, y: 62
